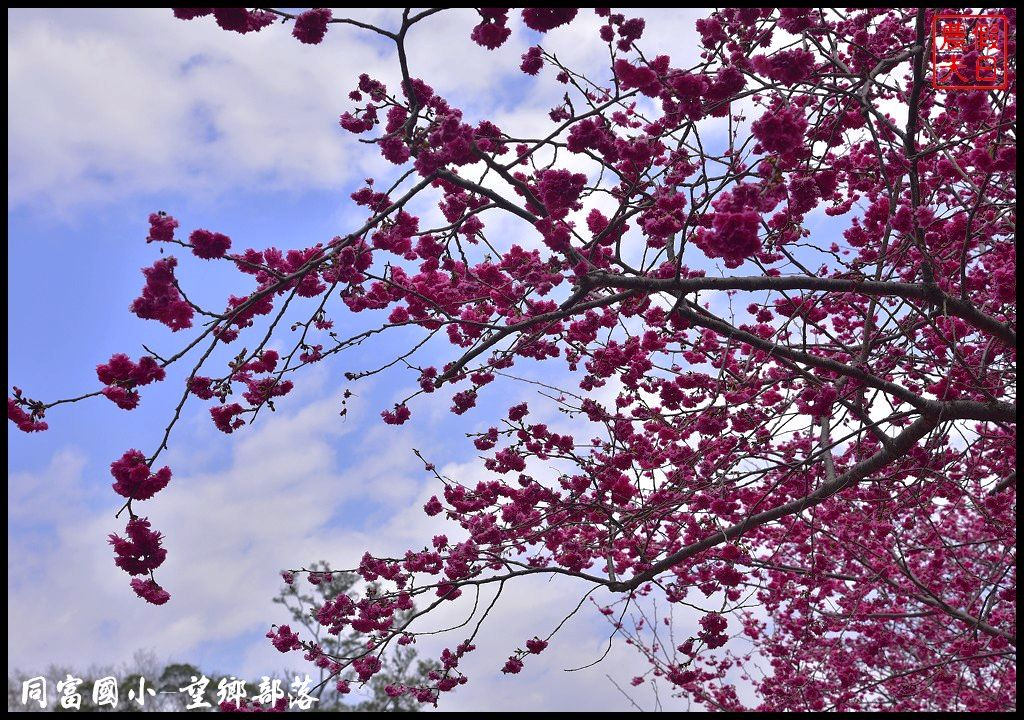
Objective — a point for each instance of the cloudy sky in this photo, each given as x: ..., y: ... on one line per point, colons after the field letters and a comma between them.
x: 113, y: 114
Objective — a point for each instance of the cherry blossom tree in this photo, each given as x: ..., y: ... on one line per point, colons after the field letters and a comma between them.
x: 806, y: 439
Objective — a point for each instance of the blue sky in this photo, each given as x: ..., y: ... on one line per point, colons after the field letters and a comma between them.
x: 114, y: 114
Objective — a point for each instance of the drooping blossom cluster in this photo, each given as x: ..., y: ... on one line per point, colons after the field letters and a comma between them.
x: 209, y: 245
x: 140, y: 553
x: 121, y: 376
x: 311, y: 26
x: 133, y: 478
x: 284, y: 639
x: 161, y: 227
x: 149, y: 591
x: 493, y: 30
x: 161, y: 299
x: 533, y: 60
x: 778, y: 324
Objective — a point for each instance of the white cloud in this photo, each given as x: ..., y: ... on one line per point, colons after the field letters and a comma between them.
x: 109, y: 104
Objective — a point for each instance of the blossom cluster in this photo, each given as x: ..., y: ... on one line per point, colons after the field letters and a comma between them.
x: 121, y: 376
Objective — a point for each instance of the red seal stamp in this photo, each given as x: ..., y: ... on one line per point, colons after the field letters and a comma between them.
x: 969, y: 52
